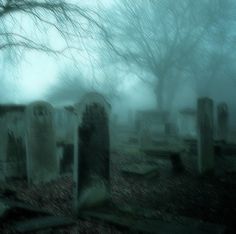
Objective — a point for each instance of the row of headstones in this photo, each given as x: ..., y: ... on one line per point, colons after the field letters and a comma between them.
x: 91, y: 148
x: 205, y: 132
x: 41, y: 141
x: 91, y: 153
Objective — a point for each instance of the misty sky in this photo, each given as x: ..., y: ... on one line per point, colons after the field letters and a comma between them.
x: 31, y: 76
x: 29, y: 79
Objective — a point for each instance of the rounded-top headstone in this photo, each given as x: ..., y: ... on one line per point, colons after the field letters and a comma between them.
x: 88, y: 99
x: 42, y: 163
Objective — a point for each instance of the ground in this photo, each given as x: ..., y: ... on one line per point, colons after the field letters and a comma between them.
x: 168, y: 196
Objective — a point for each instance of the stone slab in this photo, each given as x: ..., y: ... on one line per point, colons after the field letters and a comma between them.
x: 8, y: 205
x: 141, y: 169
x: 28, y: 226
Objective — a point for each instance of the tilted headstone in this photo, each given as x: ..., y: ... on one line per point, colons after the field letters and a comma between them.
x: 42, y: 161
x: 205, y: 135
x: 92, y: 153
x: 222, y: 121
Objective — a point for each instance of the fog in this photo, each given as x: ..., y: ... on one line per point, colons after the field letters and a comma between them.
x: 117, y: 116
x: 140, y: 54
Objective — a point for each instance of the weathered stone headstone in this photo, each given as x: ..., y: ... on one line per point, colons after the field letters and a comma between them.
x: 155, y: 119
x: 64, y: 121
x: 205, y: 136
x: 171, y: 129
x: 145, y: 137
x: 187, y: 123
x: 92, y: 153
x: 15, y: 165
x: 42, y: 161
x: 222, y: 121
x: 12, y: 148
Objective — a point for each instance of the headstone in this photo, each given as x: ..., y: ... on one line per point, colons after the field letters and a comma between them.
x: 205, y: 136
x: 176, y: 161
x: 42, y: 161
x: 171, y: 129
x: 145, y: 137
x: 155, y: 119
x: 92, y: 153
x: 12, y: 148
x: 187, y: 123
x: 15, y: 165
x: 222, y: 121
x: 64, y: 120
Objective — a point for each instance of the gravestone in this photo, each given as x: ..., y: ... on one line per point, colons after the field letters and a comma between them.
x: 171, y: 129
x: 15, y: 165
x: 64, y: 124
x: 145, y: 137
x: 92, y: 153
x: 155, y: 119
x: 222, y: 121
x: 187, y: 123
x: 12, y: 148
x: 205, y: 135
x: 42, y: 161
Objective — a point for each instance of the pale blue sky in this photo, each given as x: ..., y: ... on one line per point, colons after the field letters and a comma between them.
x: 36, y: 72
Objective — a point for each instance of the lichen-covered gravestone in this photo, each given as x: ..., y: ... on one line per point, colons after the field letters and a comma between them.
x: 222, y: 121
x: 205, y: 136
x: 92, y: 153
x: 42, y: 161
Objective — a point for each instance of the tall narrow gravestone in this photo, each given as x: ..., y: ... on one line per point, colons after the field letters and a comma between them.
x: 205, y: 135
x: 222, y: 121
x: 42, y: 164
x: 92, y: 153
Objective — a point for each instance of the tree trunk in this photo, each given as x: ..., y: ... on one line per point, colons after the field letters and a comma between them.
x: 159, y: 92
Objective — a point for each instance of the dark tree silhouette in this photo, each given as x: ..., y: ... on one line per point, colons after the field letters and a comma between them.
x: 24, y: 24
x: 157, y: 39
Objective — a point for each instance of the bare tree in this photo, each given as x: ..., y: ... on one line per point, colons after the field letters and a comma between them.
x: 24, y: 24
x: 213, y: 61
x: 73, y: 83
x: 70, y: 87
x: 158, y: 37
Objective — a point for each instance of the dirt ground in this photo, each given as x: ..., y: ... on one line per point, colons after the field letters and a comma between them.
x: 170, y: 196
